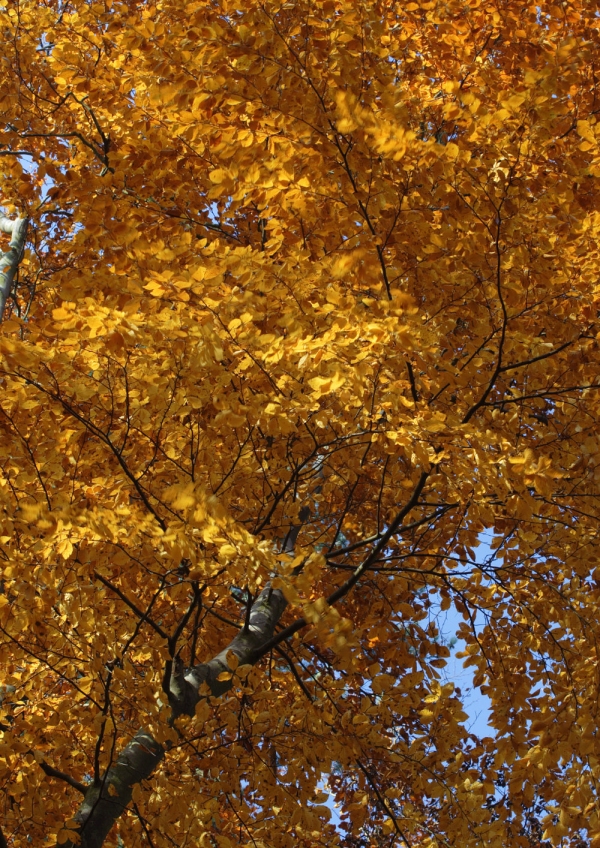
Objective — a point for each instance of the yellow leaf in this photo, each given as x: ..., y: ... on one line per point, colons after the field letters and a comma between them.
x: 585, y: 131
x: 217, y: 176
x: 224, y: 675
x: 232, y: 660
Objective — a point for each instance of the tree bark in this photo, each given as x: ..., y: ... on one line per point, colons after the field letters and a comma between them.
x: 103, y: 804
x: 9, y: 261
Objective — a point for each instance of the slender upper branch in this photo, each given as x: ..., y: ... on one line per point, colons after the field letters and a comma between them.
x: 343, y: 590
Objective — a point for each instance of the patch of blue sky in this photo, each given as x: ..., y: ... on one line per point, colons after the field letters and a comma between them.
x: 476, y: 705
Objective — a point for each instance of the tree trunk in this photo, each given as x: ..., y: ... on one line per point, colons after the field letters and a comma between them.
x: 9, y: 261
x: 103, y: 804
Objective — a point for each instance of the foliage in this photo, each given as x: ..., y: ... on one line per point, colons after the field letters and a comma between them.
x: 309, y: 307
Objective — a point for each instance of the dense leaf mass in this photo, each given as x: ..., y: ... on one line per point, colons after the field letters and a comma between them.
x: 308, y: 311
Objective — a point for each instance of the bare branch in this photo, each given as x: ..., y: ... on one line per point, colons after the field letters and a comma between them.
x: 60, y: 775
x: 343, y: 590
x: 143, y: 616
x: 294, y: 671
x: 413, y: 384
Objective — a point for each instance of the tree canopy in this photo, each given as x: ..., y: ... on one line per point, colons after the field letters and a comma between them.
x: 300, y: 306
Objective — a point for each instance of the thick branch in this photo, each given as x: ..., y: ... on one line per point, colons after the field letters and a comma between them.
x: 9, y: 261
x: 246, y: 645
x: 105, y: 803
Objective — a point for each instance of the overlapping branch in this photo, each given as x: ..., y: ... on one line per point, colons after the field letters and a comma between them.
x: 106, y: 800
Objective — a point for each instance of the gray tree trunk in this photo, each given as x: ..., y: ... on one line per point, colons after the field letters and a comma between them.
x: 103, y: 804
x: 9, y: 261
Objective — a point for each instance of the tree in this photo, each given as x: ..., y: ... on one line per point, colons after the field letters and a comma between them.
x: 308, y: 308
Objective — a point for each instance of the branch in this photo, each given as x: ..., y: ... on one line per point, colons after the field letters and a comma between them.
x: 105, y: 803
x: 52, y: 772
x: 343, y: 590
x: 100, y: 154
x: 142, y: 821
x: 142, y: 616
x: 546, y: 355
x: 413, y: 385
x: 9, y: 261
x: 392, y: 530
x: 249, y: 603
x: 383, y: 803
x: 289, y: 543
x: 196, y: 600
x: 503, y: 369
x: 294, y: 671
x: 370, y: 539
x: 247, y: 646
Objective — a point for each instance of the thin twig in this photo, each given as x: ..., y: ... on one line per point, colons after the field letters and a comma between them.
x: 132, y: 606
x: 197, y: 599
x: 343, y: 590
x: 249, y: 604
x: 143, y: 824
x: 294, y: 671
x: 382, y: 803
